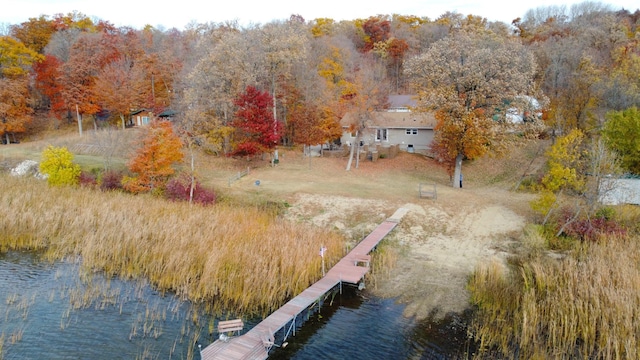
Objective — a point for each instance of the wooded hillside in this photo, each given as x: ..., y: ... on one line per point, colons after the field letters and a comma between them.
x: 580, y: 64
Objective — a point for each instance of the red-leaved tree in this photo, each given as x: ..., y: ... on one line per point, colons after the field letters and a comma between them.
x: 256, y: 130
x: 47, y: 81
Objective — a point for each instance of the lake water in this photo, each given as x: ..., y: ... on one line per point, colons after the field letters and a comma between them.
x: 54, y: 311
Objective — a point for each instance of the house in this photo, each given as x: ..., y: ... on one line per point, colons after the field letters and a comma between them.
x: 397, y: 125
x: 140, y: 117
x: 620, y: 191
x: 522, y: 109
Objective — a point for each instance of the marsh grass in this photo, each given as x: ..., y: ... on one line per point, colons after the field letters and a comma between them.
x: 227, y: 257
x: 585, y: 306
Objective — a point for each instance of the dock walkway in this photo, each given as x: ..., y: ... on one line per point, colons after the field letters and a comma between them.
x: 256, y: 343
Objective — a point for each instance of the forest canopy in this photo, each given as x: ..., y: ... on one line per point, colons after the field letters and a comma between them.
x: 581, y: 64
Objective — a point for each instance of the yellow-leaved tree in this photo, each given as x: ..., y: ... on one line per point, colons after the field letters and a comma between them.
x: 57, y: 163
x: 563, y: 163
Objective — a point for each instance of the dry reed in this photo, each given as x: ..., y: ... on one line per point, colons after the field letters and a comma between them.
x: 585, y: 306
x: 239, y: 258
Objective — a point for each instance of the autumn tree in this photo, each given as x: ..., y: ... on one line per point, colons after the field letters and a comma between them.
x: 57, y: 164
x: 153, y: 163
x: 78, y: 76
x: 306, y: 124
x: 34, y: 33
x: 563, y: 172
x: 118, y: 87
x: 464, y: 77
x: 367, y: 96
x: 227, y: 66
x: 376, y: 29
x: 322, y: 27
x: 283, y: 44
x: 342, y: 73
x: 47, y: 75
x: 15, y: 99
x: 582, y: 169
x: 256, y: 131
x: 621, y: 133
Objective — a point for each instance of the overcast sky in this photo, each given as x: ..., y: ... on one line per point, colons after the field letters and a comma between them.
x: 178, y: 13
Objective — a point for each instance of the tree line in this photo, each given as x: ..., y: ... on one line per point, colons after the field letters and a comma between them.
x: 247, y: 89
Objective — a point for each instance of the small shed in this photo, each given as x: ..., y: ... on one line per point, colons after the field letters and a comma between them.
x: 140, y: 117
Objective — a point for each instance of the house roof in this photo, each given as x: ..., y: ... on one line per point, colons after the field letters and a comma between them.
x: 168, y: 113
x: 395, y: 120
x: 136, y: 112
x: 402, y: 101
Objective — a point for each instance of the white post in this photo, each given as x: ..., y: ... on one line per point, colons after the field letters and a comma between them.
x: 322, y: 250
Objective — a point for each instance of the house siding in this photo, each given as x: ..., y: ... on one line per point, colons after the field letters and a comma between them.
x: 620, y: 191
x: 421, y: 141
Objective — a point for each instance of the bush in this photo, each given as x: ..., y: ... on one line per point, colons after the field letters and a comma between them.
x: 57, y: 164
x: 178, y: 189
x: 590, y: 228
x: 87, y: 179
x: 247, y: 149
x: 111, y: 180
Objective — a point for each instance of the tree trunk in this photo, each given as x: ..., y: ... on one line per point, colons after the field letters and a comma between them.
x: 457, y: 174
x: 79, y: 120
x: 353, y: 146
x: 123, y: 124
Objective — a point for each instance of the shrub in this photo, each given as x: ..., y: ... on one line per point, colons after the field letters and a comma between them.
x: 57, y: 164
x: 590, y: 228
x: 111, y: 180
x: 178, y: 189
x: 87, y: 179
x: 247, y: 149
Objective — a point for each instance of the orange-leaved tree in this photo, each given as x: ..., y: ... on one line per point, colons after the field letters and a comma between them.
x: 15, y: 101
x: 153, y: 162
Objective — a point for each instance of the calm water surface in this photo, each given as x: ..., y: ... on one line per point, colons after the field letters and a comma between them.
x: 54, y: 311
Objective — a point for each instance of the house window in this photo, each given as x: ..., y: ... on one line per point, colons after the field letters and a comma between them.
x: 412, y: 131
x: 145, y: 120
x: 381, y: 135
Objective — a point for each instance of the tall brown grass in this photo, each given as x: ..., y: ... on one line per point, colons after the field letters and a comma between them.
x: 584, y: 306
x: 240, y: 258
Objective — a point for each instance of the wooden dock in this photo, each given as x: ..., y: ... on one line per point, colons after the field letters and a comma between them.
x: 257, y: 342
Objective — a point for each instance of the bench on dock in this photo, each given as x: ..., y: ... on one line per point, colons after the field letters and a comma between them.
x: 426, y: 190
x: 361, y: 259
x: 230, y: 326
